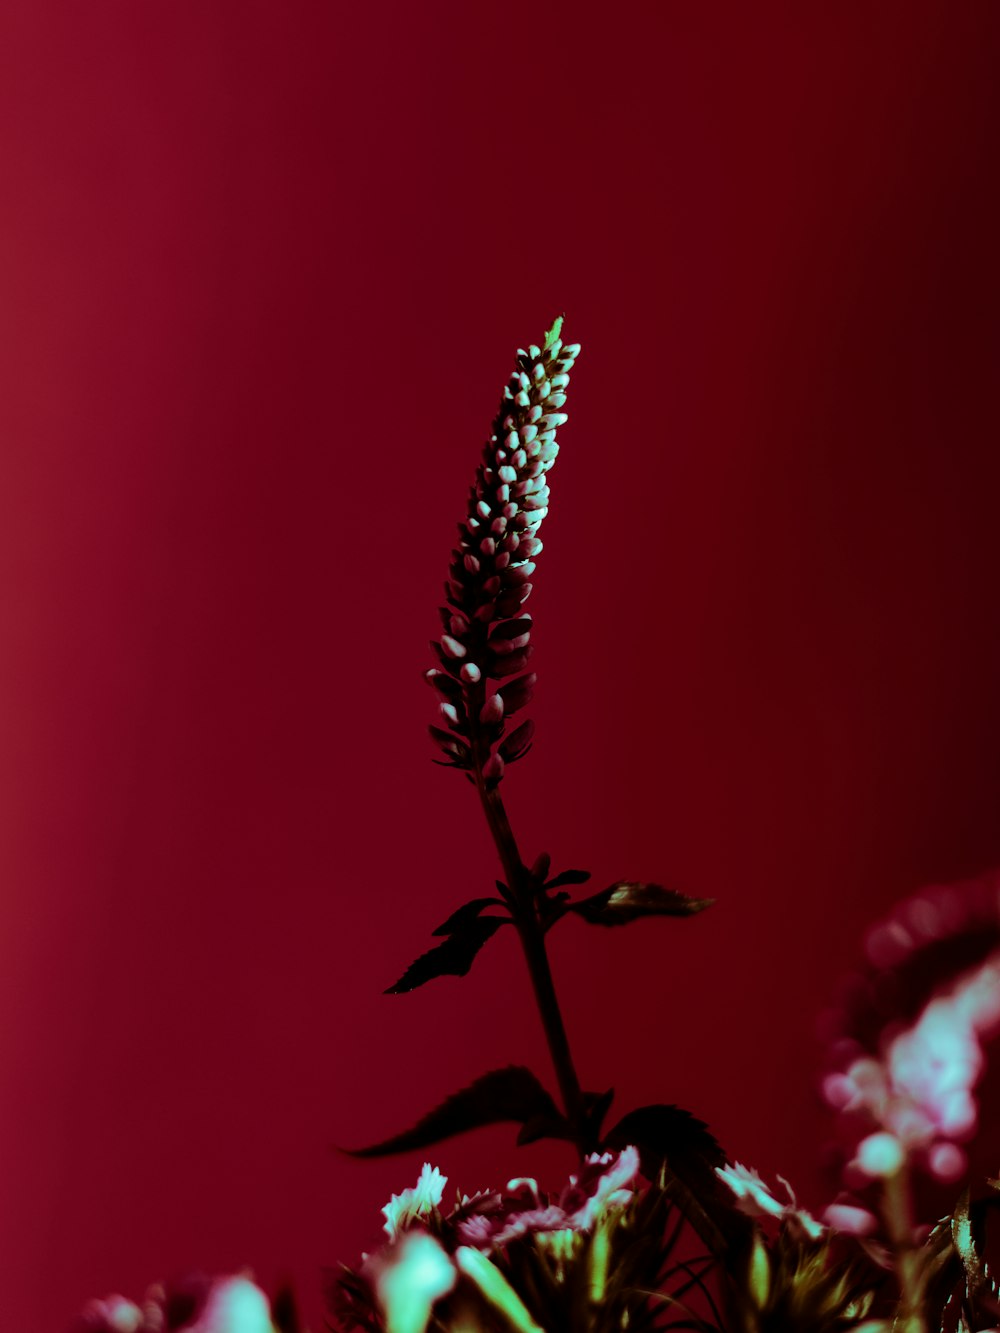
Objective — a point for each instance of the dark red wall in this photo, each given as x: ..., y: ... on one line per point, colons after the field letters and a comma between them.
x: 262, y: 271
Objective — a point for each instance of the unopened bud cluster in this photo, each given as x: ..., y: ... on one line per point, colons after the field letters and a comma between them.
x: 485, y: 645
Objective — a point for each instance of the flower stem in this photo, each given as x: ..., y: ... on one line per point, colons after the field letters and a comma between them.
x: 529, y: 929
x: 897, y: 1214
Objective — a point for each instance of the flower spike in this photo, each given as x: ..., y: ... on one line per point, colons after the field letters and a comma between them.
x: 486, y: 638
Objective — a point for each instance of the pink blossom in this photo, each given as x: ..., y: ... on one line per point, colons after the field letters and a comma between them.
x: 919, y: 1092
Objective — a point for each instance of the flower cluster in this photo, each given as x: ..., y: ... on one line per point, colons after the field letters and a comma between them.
x: 473, y: 1257
x: 903, y: 1080
x: 486, y: 633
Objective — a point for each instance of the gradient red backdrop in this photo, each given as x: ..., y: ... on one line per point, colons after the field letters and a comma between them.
x: 263, y: 269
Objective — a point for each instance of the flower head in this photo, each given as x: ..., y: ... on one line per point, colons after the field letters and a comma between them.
x: 403, y: 1209
x: 486, y: 633
x: 756, y: 1200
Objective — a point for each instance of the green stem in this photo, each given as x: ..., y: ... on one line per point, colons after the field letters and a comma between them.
x: 530, y: 931
x: 897, y: 1212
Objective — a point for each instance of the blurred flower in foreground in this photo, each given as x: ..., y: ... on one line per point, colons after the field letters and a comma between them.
x: 486, y: 635
x: 195, y: 1304
x: 908, y: 1045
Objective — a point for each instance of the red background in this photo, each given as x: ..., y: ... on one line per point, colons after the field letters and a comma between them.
x: 263, y: 269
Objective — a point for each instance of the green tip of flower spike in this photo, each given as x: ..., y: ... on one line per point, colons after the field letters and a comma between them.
x: 554, y: 332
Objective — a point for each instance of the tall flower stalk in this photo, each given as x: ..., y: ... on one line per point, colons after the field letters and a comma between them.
x: 482, y: 681
x: 486, y: 646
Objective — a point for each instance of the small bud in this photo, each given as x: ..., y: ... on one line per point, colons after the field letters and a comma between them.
x: 521, y: 399
x: 880, y: 1155
x: 518, y: 692
x: 488, y: 546
x: 534, y: 352
x: 528, y: 433
x: 507, y: 474
x: 510, y: 602
x: 492, y: 711
x: 540, y: 870
x: 510, y: 629
x: 450, y: 714
x: 553, y: 400
x: 451, y: 647
x: 504, y: 647
x: 571, y: 350
x: 560, y: 381
x: 483, y: 509
x: 534, y: 415
x: 554, y: 419
x: 493, y: 770
x: 470, y: 673
x: 519, y: 573
x: 517, y: 743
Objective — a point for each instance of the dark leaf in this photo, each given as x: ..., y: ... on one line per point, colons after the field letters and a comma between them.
x: 568, y: 877
x: 550, y: 1125
x: 504, y: 1094
x: 670, y: 1138
x: 628, y: 901
x: 453, y: 958
x: 467, y: 912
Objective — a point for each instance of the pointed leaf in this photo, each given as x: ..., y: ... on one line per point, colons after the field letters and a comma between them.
x: 513, y: 1093
x: 568, y: 877
x: 628, y: 901
x: 466, y: 913
x: 453, y: 958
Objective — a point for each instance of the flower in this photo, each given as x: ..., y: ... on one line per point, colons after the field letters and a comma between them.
x: 604, y: 1182
x: 918, y: 1093
x: 486, y: 635
x: 756, y: 1200
x: 403, y: 1209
